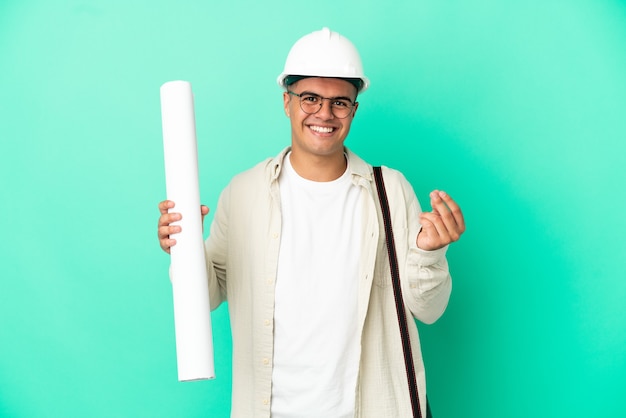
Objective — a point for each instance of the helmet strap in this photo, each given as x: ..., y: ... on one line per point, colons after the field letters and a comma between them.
x: 356, y: 82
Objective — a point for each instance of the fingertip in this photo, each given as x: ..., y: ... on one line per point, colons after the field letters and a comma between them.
x: 435, y: 195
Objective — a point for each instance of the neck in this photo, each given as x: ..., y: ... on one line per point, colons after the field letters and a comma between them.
x: 319, y: 168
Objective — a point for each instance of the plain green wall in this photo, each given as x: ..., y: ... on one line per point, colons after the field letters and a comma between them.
x: 518, y: 109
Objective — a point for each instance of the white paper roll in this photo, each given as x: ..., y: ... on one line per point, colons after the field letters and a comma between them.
x: 192, y: 313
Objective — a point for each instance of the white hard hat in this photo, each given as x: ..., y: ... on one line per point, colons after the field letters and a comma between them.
x: 324, y: 53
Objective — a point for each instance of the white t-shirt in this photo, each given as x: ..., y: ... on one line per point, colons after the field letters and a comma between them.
x: 315, y: 319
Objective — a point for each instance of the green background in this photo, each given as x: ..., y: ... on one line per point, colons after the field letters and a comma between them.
x: 517, y: 109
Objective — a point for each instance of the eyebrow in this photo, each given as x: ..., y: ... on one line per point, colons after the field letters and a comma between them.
x: 331, y: 98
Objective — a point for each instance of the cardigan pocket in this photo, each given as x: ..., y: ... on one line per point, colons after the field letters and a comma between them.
x: 383, y: 269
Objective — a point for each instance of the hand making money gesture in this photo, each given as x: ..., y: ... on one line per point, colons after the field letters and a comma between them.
x: 443, y: 225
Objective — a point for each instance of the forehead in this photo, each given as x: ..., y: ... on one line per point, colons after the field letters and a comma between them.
x: 327, y: 87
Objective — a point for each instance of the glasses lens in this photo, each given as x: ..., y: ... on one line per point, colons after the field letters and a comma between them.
x: 310, y: 103
x: 341, y: 108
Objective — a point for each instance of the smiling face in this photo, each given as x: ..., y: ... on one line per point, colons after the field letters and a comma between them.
x: 320, y: 135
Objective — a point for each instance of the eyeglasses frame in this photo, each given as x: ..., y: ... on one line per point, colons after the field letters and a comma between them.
x: 299, y: 95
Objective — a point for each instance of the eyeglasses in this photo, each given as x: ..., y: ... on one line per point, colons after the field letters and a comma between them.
x: 311, y: 103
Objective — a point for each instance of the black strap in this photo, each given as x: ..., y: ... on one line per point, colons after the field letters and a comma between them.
x: 397, y: 294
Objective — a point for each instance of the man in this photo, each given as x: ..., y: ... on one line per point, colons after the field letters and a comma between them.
x: 297, y: 247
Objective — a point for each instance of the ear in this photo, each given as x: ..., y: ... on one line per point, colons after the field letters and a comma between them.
x: 356, y: 106
x: 286, y: 99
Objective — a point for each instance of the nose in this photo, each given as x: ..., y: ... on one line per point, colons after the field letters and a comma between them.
x: 326, y: 110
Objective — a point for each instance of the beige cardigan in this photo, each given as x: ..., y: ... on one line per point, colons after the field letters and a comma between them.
x: 242, y: 257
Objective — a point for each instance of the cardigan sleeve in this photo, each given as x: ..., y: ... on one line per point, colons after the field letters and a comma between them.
x: 425, y: 277
x: 216, y: 247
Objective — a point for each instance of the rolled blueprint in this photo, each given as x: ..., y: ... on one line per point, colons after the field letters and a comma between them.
x: 192, y: 313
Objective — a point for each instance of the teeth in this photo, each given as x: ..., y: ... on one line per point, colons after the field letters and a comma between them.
x: 321, y: 129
